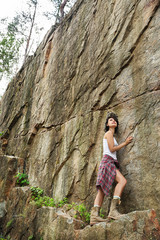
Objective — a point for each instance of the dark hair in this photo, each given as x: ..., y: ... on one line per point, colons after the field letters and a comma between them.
x: 115, y: 117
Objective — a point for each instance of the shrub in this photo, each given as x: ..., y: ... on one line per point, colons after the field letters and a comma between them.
x: 36, y: 192
x: 81, y: 209
x: 22, y: 179
x: 40, y: 200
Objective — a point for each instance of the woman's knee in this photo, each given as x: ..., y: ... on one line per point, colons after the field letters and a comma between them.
x: 123, y: 181
x: 120, y: 178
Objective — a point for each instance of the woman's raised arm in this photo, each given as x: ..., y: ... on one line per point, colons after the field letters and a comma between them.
x: 110, y: 140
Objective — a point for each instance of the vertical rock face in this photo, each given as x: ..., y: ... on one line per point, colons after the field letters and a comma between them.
x: 103, y: 57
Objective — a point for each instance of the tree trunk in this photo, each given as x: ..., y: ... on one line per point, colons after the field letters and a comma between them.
x: 63, y: 4
x: 30, y: 33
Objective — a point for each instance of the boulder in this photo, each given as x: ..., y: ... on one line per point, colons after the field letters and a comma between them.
x: 24, y: 220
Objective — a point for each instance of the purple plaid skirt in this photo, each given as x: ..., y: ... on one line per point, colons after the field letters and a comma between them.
x: 106, y: 173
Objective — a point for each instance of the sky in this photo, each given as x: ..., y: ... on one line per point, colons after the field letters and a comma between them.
x: 9, y: 9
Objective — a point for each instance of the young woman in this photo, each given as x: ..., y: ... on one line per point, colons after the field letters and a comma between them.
x: 109, y: 171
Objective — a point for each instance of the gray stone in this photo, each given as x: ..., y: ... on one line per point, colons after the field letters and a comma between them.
x: 24, y: 219
x: 9, y: 167
x: 2, y: 209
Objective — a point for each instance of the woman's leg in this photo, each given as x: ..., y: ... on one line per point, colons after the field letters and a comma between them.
x: 121, y: 182
x: 95, y: 218
x: 99, y: 198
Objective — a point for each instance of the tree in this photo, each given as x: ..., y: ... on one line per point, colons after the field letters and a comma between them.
x: 18, y: 41
x: 16, y: 38
x: 25, y: 24
x: 31, y: 17
x: 61, y: 7
x: 9, y: 49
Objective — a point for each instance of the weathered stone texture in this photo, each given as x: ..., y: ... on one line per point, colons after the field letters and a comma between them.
x: 10, y: 166
x: 136, y: 225
x: 25, y: 221
x: 104, y: 56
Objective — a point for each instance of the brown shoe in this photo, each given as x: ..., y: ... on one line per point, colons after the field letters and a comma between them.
x: 113, y: 213
x: 95, y: 216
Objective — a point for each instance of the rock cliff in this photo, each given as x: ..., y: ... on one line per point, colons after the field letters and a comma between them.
x: 21, y: 219
x: 103, y: 57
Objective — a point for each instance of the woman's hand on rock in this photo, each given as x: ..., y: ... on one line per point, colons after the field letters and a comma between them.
x: 129, y: 140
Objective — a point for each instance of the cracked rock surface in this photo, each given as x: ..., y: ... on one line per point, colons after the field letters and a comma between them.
x: 22, y: 219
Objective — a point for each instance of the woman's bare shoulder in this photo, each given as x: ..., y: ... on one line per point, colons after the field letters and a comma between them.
x: 108, y: 134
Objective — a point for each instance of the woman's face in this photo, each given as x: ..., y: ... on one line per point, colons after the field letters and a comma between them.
x: 112, y: 123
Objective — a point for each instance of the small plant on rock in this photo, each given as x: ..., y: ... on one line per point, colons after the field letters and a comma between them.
x: 36, y: 192
x: 71, y: 205
x: 40, y: 200
x: 22, y: 179
x: 1, y: 134
x: 31, y: 237
x: 81, y: 209
x: 101, y: 213
x: 9, y: 223
x: 61, y: 203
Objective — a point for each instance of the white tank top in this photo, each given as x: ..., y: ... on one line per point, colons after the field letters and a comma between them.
x: 106, y: 148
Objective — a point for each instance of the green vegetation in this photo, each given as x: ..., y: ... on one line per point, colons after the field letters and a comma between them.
x: 19, y: 36
x: 22, y: 179
x: 61, y: 203
x: 81, y: 209
x: 101, y: 213
x: 36, y: 192
x: 30, y: 237
x: 40, y: 200
x: 9, y: 48
x: 1, y: 133
x: 9, y: 223
x: 111, y: 220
